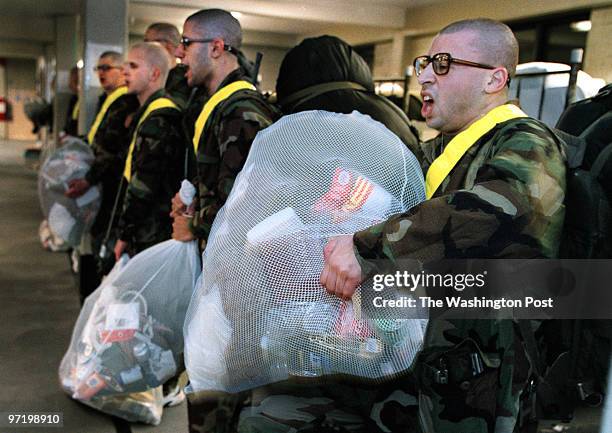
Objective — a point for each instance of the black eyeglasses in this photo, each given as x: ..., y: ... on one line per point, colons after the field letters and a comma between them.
x: 188, y: 41
x: 442, y: 62
x: 105, y: 68
x: 159, y: 41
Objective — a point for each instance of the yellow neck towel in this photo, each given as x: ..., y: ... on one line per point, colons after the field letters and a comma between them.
x: 158, y: 104
x: 459, y: 145
x: 119, y: 91
x: 219, y: 96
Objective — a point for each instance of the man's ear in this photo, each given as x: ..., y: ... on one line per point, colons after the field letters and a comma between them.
x: 154, y: 73
x: 216, y: 48
x: 498, y: 78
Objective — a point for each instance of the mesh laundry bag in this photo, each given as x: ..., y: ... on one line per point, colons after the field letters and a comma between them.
x: 68, y: 218
x: 259, y: 314
x: 129, y: 335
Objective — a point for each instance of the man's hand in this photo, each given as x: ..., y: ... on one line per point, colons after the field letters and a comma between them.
x: 120, y: 247
x: 180, y: 229
x: 76, y: 188
x: 178, y: 207
x: 341, y: 273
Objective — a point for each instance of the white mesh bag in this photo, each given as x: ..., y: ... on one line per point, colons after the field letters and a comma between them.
x: 259, y: 314
x: 129, y: 335
x: 68, y: 218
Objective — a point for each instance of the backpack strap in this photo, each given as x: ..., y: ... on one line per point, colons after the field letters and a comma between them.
x: 575, y: 147
x: 603, y: 156
x: 318, y: 89
x: 531, y: 347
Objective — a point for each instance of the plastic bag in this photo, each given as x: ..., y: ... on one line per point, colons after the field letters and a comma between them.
x: 128, y: 338
x: 49, y: 240
x: 259, y: 314
x: 68, y: 218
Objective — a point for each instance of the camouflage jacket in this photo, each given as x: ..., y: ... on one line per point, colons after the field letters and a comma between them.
x: 176, y: 85
x: 71, y: 126
x: 504, y: 199
x: 156, y: 174
x: 112, y: 139
x: 196, y: 101
x: 110, y: 146
x: 224, y: 147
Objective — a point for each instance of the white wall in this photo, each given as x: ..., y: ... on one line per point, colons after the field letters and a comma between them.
x: 21, y: 88
x: 270, y: 63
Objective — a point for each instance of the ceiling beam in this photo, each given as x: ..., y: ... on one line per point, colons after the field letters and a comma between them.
x: 385, y: 14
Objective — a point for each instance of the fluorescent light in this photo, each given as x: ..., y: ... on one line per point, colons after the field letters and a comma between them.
x: 236, y: 15
x: 581, y: 26
x: 390, y: 89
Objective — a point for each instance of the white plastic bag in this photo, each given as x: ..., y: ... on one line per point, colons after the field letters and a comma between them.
x: 68, y: 218
x: 49, y: 240
x: 128, y: 338
x: 259, y: 314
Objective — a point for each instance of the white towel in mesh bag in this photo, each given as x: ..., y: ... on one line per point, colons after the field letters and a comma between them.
x: 259, y: 314
x: 128, y: 338
x: 68, y: 218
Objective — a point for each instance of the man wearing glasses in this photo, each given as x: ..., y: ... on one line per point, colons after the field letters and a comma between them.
x: 495, y: 186
x: 168, y: 36
x: 109, y: 139
x: 223, y: 132
x: 227, y: 122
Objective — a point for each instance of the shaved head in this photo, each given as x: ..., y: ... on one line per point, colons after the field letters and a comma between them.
x: 495, y: 41
x: 217, y: 23
x: 166, y: 31
x: 156, y: 56
x: 114, y: 56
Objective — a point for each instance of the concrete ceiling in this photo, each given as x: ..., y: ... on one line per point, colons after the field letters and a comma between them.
x: 39, y: 8
x: 273, y: 22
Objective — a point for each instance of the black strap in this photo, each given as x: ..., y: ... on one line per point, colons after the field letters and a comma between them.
x: 318, y: 89
x: 574, y: 349
x: 601, y: 160
x: 113, y: 213
x: 188, y: 146
x: 574, y: 147
x: 531, y: 346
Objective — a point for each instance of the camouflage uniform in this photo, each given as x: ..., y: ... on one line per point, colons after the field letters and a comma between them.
x: 156, y: 173
x: 196, y: 101
x: 110, y: 146
x: 335, y: 405
x: 177, y: 87
x: 504, y: 199
x: 224, y: 146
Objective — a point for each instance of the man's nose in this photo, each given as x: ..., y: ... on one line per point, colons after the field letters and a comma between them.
x: 427, y: 75
x: 179, y: 52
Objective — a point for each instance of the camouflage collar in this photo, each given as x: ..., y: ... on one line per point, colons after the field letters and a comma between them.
x: 236, y: 75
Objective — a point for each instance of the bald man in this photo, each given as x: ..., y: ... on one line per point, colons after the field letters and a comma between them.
x: 168, y: 36
x: 109, y: 139
x: 154, y: 166
x: 495, y: 186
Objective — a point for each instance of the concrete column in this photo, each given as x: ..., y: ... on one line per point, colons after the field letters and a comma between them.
x: 104, y: 27
x: 597, y: 61
x: 4, y: 94
x: 396, y: 61
x: 66, y: 56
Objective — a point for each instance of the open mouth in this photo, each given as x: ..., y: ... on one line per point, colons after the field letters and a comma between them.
x: 427, y: 107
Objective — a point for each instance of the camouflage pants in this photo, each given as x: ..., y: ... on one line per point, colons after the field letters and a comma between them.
x: 465, y: 401
x: 289, y: 407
